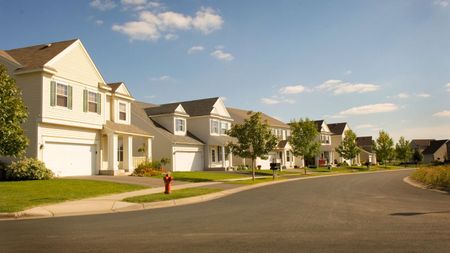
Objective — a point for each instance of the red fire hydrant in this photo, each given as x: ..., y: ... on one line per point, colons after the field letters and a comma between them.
x: 167, y: 181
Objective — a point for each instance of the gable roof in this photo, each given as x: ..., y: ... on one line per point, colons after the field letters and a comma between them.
x: 434, y: 146
x: 319, y: 124
x: 114, y: 86
x: 239, y: 116
x: 421, y: 143
x: 140, y: 118
x: 337, y: 128
x: 365, y: 143
x: 162, y: 109
x: 37, y: 56
x: 199, y: 107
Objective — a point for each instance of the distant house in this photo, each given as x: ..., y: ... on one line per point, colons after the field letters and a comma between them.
x: 367, y: 154
x: 338, y: 134
x: 282, y: 152
x: 325, y: 156
x: 436, y: 151
x: 420, y: 144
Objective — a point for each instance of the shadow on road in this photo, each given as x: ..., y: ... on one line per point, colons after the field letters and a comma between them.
x: 414, y: 214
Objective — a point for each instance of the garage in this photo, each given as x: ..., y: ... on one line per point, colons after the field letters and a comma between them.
x: 188, y: 161
x: 70, y: 159
x: 265, y: 164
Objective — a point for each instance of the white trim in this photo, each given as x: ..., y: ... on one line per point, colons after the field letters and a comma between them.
x: 184, y: 124
x: 66, y: 122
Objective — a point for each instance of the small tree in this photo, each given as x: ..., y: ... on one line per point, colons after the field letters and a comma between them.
x: 13, y: 113
x: 384, y: 147
x: 417, y: 156
x: 254, y: 139
x: 403, y: 150
x: 304, y: 139
x: 348, y: 148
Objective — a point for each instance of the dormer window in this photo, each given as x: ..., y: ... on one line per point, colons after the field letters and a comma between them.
x: 223, y: 127
x: 214, y: 126
x: 122, y: 111
x: 62, y: 95
x: 180, y: 125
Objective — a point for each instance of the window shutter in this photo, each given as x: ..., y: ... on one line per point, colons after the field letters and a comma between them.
x: 85, y: 94
x: 52, y: 93
x: 69, y: 97
x: 99, y: 103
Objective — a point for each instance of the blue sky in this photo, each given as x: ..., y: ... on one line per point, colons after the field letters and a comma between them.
x: 374, y: 64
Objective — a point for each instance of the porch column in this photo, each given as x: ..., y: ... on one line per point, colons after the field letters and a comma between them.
x: 113, y: 141
x: 230, y: 159
x: 149, y: 149
x: 128, y: 153
x: 223, y: 156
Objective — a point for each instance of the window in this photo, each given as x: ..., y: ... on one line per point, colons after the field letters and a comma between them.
x: 180, y: 125
x: 219, y: 153
x: 288, y: 156
x: 120, y: 154
x: 223, y: 127
x: 214, y: 127
x: 122, y: 111
x: 213, y: 155
x: 92, y: 102
x: 62, y: 95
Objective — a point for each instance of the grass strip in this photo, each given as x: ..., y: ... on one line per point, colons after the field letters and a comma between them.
x: 176, y: 194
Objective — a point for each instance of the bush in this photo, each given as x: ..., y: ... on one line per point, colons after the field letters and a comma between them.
x: 148, y: 169
x: 2, y: 171
x: 242, y: 167
x: 28, y: 169
x: 434, y: 176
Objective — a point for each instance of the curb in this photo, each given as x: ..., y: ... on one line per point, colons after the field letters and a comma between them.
x: 420, y: 185
x: 119, y: 206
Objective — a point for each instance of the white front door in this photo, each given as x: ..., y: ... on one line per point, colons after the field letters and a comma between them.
x: 70, y: 159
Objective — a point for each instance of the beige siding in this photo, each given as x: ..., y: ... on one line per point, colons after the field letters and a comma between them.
x: 167, y: 122
x: 108, y: 108
x: 199, y: 127
x: 74, y: 64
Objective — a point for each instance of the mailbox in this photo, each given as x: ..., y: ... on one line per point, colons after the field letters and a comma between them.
x: 275, y: 166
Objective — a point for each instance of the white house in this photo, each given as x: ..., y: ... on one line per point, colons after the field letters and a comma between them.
x: 338, y: 134
x: 325, y: 156
x: 78, y: 124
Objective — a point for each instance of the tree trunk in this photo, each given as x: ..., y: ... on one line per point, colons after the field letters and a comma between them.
x: 253, y: 169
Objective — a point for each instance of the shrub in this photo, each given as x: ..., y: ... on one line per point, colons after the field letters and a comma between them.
x: 28, y: 169
x: 242, y: 167
x: 434, y: 176
x: 148, y: 169
x: 2, y: 171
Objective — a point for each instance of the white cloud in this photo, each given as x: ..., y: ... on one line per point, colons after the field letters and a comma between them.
x: 195, y: 49
x: 445, y: 113
x: 448, y: 87
x: 99, y: 22
x: 221, y: 55
x: 138, y: 5
x: 402, y: 95
x: 442, y: 3
x: 152, y: 25
x: 341, y: 87
x: 207, y: 21
x: 162, y: 78
x: 276, y: 100
x: 103, y: 5
x: 370, y: 109
x: 292, y: 89
x: 364, y: 126
x: 423, y: 95
x: 171, y: 36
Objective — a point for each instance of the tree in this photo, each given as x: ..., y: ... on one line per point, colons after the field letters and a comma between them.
x: 403, y: 150
x: 384, y: 147
x: 254, y: 139
x: 304, y: 141
x: 417, y: 156
x: 348, y: 148
x: 13, y: 113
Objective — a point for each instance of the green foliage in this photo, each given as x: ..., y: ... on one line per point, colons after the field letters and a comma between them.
x: 254, y: 139
x: 148, y: 169
x: 433, y: 176
x: 403, y: 150
x: 28, y: 169
x: 417, y: 156
x: 384, y: 147
x: 176, y: 194
x: 348, y: 148
x: 304, y: 139
x: 164, y: 161
x: 2, y: 171
x: 13, y: 113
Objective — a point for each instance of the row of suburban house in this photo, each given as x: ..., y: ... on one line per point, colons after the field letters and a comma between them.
x: 80, y: 125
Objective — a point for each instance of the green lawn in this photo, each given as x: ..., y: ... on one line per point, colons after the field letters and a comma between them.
x: 176, y: 194
x: 268, y: 172
x: 21, y: 195
x: 434, y: 176
x: 250, y: 181
x: 203, y: 176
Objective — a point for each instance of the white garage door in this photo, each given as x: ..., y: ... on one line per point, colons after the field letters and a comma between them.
x: 69, y: 159
x: 188, y: 161
x: 265, y: 164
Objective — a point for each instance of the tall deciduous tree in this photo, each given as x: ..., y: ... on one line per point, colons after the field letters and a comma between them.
x: 254, y: 139
x: 403, y: 150
x: 304, y: 139
x: 417, y: 156
x: 13, y: 113
x: 348, y: 148
x: 384, y: 147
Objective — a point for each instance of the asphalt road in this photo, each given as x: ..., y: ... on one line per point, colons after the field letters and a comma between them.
x: 354, y: 213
